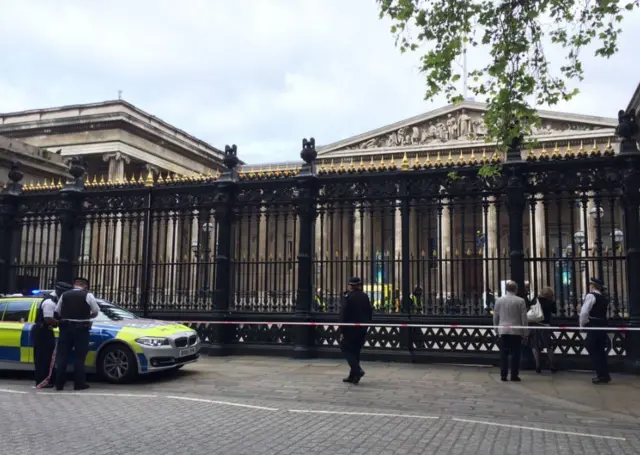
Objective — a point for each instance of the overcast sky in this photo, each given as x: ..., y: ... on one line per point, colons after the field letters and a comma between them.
x: 258, y: 73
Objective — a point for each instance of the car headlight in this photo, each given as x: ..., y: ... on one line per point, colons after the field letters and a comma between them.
x: 153, y: 341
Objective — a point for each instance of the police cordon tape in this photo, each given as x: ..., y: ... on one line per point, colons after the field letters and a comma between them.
x: 421, y: 326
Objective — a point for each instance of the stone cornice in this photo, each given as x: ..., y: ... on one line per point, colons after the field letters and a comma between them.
x: 467, y: 105
x: 82, y: 117
x: 114, y: 121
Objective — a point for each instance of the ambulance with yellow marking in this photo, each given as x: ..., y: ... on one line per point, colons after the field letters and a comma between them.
x: 121, y: 345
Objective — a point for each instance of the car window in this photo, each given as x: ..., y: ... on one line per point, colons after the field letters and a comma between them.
x: 17, y: 311
x: 113, y: 313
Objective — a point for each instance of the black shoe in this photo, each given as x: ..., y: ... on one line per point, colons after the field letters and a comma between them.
x: 553, y: 370
x: 538, y: 370
x: 515, y: 379
x: 81, y: 387
x: 59, y: 389
x: 348, y: 379
x: 503, y: 378
x: 361, y: 373
x: 601, y: 380
x: 356, y: 380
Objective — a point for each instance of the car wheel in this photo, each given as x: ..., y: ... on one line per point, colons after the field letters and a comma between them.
x: 117, y: 364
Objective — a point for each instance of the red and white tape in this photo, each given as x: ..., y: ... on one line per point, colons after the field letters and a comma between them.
x: 423, y: 326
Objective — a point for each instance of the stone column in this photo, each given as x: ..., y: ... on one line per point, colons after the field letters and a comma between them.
x: 114, y: 239
x: 397, y: 225
x: 171, y: 252
x: 444, y: 249
x: 491, y: 253
x: 536, y: 223
x: 357, y: 240
x: 261, y: 254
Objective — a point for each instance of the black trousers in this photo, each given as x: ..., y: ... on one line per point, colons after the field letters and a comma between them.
x: 44, y: 342
x: 597, y: 345
x: 73, y: 336
x: 510, y: 345
x: 351, y: 348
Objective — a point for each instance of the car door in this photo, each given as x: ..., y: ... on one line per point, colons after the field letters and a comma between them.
x: 16, y: 346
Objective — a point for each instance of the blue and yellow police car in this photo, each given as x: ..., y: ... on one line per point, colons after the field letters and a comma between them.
x: 121, y: 345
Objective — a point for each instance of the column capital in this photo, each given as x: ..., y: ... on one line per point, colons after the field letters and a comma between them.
x: 116, y: 156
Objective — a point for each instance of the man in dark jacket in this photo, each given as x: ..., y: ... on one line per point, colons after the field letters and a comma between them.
x: 356, y: 308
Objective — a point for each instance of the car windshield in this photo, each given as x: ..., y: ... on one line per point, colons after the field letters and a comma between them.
x: 110, y: 312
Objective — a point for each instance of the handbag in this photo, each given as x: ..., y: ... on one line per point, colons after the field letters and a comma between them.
x: 535, y: 313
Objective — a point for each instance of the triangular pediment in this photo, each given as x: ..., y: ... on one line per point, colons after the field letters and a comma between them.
x: 457, y: 124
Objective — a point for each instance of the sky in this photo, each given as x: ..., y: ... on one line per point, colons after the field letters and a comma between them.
x: 261, y: 74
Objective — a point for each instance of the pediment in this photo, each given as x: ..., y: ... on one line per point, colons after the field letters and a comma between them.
x: 458, y: 124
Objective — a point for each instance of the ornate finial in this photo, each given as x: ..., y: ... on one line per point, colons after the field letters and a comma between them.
x: 461, y: 160
x: 556, y: 152
x: 496, y: 157
x: 372, y: 165
x: 595, y: 151
x: 531, y: 156
x: 483, y: 159
x: 362, y: 166
x: 392, y: 163
x: 427, y: 162
x: 609, y: 150
x: 568, y: 153
x: 416, y: 162
x: 217, y: 176
x: 45, y: 185
x: 382, y: 165
x: 14, y: 173
x: 472, y: 159
x: 332, y: 168
x: 140, y: 179
x: 544, y: 155
x: 581, y: 151
x: 308, y: 153
x: 438, y: 160
x: 149, y: 182
x: 342, y: 169
x: 352, y: 167
x: 449, y: 159
x: 231, y: 156
x: 102, y: 182
x: 37, y: 186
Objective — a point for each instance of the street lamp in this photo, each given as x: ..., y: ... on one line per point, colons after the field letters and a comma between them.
x: 617, y: 236
x: 596, y: 212
x: 579, y: 238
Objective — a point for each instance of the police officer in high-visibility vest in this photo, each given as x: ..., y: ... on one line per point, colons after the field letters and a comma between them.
x: 594, y: 314
x: 75, y: 310
x: 320, y: 305
x: 44, y: 341
x: 416, y: 300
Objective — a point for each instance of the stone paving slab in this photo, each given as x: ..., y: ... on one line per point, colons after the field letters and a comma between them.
x: 399, y: 409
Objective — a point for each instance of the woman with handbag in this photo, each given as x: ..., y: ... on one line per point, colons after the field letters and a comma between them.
x: 540, y: 315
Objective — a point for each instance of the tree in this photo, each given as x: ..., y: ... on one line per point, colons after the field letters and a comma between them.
x: 519, y: 34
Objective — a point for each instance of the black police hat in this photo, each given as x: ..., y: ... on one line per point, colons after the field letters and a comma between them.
x: 355, y: 281
x: 62, y: 287
x: 597, y: 282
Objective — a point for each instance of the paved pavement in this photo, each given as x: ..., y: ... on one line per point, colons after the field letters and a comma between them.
x: 247, y: 405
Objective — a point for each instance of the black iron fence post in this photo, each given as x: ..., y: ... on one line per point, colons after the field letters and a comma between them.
x: 10, y: 231
x: 71, y: 222
x: 147, y: 247
x: 224, y: 199
x: 405, y: 264
x: 630, y: 155
x: 516, y: 199
x: 307, y: 199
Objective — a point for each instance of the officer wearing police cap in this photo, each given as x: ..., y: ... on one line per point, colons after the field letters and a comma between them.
x: 356, y: 308
x: 594, y: 314
x: 75, y: 308
x: 44, y: 341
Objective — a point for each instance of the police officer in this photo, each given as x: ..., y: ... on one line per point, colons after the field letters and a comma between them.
x: 75, y: 309
x: 356, y: 308
x: 44, y: 341
x: 594, y: 314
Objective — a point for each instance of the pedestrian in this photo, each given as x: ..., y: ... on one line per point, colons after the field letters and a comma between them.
x: 75, y: 310
x: 540, y: 339
x: 44, y: 340
x: 510, y: 310
x: 356, y: 308
x: 594, y: 314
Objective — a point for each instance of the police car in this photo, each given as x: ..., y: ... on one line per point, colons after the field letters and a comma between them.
x: 121, y: 345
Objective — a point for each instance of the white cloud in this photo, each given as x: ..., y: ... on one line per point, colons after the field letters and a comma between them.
x: 261, y: 74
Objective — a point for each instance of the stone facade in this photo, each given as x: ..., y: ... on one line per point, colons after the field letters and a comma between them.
x: 37, y: 164
x: 115, y: 139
